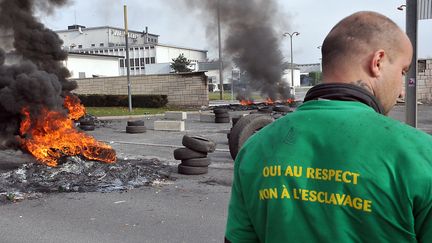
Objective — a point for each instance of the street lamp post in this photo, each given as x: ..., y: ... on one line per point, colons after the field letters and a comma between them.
x: 292, y: 63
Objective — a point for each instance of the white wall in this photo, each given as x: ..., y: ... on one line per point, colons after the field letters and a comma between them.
x: 286, y: 77
x: 92, y: 65
x: 166, y: 54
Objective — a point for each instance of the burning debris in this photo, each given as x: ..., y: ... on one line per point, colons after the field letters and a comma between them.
x: 77, y: 175
x: 37, y: 107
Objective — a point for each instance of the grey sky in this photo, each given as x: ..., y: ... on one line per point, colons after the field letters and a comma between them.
x: 177, y: 24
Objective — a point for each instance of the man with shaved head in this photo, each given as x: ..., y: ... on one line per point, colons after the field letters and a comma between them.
x: 338, y: 169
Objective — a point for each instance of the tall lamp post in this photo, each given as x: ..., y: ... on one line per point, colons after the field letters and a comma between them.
x: 295, y: 33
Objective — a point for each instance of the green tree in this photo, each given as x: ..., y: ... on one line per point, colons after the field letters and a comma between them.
x: 180, y: 64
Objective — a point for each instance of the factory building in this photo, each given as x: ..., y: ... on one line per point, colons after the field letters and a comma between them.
x: 146, y: 54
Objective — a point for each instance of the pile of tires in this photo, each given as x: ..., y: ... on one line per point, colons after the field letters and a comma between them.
x: 136, y: 126
x: 86, y: 124
x: 221, y: 115
x: 245, y: 127
x: 193, y: 156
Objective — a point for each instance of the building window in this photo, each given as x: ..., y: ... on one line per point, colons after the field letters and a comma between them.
x: 421, y: 66
x: 121, y: 49
x: 141, y: 48
x: 136, y: 48
x: 132, y: 68
x: 147, y: 60
x: 146, y: 47
x: 115, y: 49
x: 142, y: 61
x: 151, y: 47
x: 110, y: 51
x: 101, y: 44
x: 152, y: 60
x: 93, y: 45
x: 106, y: 51
x: 137, y: 62
x: 121, y: 62
x: 80, y: 46
x: 131, y: 62
x: 142, y: 67
x: 81, y: 75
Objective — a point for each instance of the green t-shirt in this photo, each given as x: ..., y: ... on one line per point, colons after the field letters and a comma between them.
x: 333, y: 171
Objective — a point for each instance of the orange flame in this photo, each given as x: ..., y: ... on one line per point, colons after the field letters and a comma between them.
x: 52, y: 135
x: 246, y: 102
x: 290, y: 100
x: 269, y: 101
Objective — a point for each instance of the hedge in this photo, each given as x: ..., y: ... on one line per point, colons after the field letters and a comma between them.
x: 148, y: 101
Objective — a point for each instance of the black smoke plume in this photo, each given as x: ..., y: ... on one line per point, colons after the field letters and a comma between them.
x: 251, y: 39
x: 31, y: 72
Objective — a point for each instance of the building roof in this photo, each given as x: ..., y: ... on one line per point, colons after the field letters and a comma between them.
x: 104, y: 27
x: 89, y: 54
x: 311, y: 67
x: 179, y: 47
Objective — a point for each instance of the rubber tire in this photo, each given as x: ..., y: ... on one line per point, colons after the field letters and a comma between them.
x: 234, y: 120
x: 186, y: 153
x: 87, y: 127
x: 220, y: 110
x: 222, y: 115
x: 87, y: 122
x: 265, y: 109
x: 136, y: 129
x: 199, y: 143
x: 199, y: 162
x: 282, y: 108
x: 245, y: 128
x: 190, y: 170
x: 222, y: 120
x: 135, y: 123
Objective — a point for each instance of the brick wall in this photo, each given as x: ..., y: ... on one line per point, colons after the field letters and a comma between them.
x: 424, y: 80
x: 188, y: 89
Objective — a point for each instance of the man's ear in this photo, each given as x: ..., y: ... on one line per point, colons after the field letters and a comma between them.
x: 375, y: 65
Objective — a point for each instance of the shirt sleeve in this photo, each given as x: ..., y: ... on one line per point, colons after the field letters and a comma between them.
x: 239, y: 226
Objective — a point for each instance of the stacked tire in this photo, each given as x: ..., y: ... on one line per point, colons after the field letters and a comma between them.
x: 87, y: 124
x: 245, y: 127
x: 136, y: 126
x: 193, y: 156
x: 221, y: 115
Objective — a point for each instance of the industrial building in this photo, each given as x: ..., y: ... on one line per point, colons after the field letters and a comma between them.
x: 146, y: 54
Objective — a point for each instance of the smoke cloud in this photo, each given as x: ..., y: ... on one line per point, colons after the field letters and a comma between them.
x: 31, y: 72
x: 251, y: 40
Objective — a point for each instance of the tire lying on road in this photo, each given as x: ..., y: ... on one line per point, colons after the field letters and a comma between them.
x: 190, y: 170
x: 87, y: 127
x: 244, y: 128
x: 199, y: 143
x: 198, y: 162
x: 222, y: 120
x: 186, y: 153
x: 135, y: 129
x: 135, y: 123
x: 86, y: 122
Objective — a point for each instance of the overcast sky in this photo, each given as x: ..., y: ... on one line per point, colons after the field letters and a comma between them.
x: 177, y: 24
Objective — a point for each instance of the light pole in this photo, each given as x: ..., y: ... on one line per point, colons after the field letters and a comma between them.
x: 292, y: 64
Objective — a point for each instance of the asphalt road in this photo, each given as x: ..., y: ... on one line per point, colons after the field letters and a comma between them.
x: 187, y: 209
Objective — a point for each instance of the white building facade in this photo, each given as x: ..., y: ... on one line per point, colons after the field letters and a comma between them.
x: 146, y: 54
x: 82, y: 65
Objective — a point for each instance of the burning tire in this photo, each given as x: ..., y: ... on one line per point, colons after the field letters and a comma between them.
x: 87, y: 127
x: 86, y: 122
x: 198, y: 143
x: 186, y: 153
x: 245, y: 128
x: 190, y: 170
x: 198, y: 162
x: 135, y: 123
x: 136, y: 129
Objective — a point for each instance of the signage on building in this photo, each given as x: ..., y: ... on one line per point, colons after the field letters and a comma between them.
x: 122, y: 33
